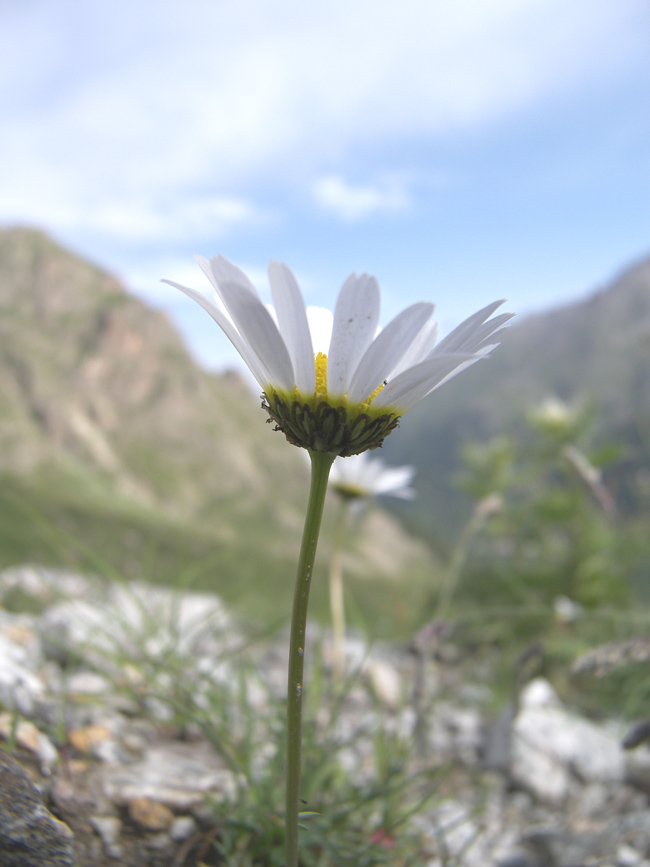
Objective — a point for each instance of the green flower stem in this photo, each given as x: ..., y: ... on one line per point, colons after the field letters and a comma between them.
x: 321, y: 463
x: 337, y: 605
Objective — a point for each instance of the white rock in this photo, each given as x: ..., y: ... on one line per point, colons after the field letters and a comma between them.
x: 455, y: 732
x: 109, y: 829
x: 177, y: 775
x: 453, y: 831
x: 20, y: 688
x: 182, y: 827
x: 88, y: 683
x: 140, y: 620
x: 553, y: 749
x: 538, y: 693
x: 626, y: 856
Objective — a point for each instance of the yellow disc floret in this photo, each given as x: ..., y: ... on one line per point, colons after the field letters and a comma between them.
x: 320, y: 392
x: 321, y: 376
x: 367, y: 403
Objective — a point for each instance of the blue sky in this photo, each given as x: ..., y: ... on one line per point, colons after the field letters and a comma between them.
x: 460, y: 150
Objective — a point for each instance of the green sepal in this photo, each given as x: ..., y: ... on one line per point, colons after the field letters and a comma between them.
x: 319, y: 426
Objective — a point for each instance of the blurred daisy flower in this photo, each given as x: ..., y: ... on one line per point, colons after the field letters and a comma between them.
x: 336, y: 383
x: 356, y: 480
x: 362, y: 477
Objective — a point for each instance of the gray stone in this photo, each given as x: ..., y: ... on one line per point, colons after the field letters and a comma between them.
x: 29, y: 737
x: 455, y: 732
x: 633, y: 827
x: 88, y: 684
x: 30, y: 836
x: 497, y: 749
x: 138, y: 617
x: 109, y: 829
x: 626, y: 856
x: 553, y: 749
x: 20, y: 688
x: 456, y: 835
x: 43, y: 583
x: 560, y: 847
x: 177, y: 775
x: 158, y: 842
x: 638, y: 766
x: 519, y: 859
x: 592, y: 800
x: 182, y: 827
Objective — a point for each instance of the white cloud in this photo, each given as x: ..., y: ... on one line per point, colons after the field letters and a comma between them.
x: 115, y: 115
x: 132, y: 219
x: 352, y: 203
x: 137, y: 94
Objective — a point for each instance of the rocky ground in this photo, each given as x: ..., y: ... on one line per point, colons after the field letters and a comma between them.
x: 96, y: 770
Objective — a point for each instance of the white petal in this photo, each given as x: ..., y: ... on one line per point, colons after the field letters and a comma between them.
x: 404, y: 493
x: 249, y: 356
x: 483, y: 353
x: 372, y: 472
x: 385, y: 352
x: 220, y: 270
x: 256, y: 325
x: 411, y: 386
x: 396, y: 481
x: 355, y: 323
x: 347, y: 469
x: 294, y: 328
x: 461, y: 337
x: 423, y: 344
x: 487, y: 331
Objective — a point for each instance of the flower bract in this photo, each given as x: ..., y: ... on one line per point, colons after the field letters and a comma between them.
x: 336, y: 382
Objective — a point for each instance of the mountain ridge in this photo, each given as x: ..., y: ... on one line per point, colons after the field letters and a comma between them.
x: 130, y: 379
x: 591, y: 352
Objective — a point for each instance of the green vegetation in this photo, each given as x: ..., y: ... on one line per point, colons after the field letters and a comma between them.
x: 247, y: 559
x: 550, y: 568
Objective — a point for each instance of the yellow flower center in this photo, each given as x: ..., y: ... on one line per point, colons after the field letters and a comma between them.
x: 322, y: 424
x: 321, y: 375
x: 321, y: 382
x: 367, y: 403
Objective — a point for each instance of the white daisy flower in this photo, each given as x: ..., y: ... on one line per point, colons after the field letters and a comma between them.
x: 345, y: 395
x: 360, y: 477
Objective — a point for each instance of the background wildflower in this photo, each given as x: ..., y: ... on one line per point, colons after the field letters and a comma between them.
x: 356, y: 480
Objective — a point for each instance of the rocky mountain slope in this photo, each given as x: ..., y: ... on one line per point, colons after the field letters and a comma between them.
x: 97, y: 383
